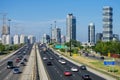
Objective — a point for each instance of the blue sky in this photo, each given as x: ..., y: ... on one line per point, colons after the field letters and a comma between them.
x: 35, y: 16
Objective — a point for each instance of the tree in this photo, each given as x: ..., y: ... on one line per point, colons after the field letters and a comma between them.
x: 105, y: 47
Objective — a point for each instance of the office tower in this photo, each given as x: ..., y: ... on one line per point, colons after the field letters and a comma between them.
x: 53, y: 35
x: 16, y: 39
x: 91, y: 33
x: 31, y: 39
x: 99, y: 37
x: 58, y: 35
x: 115, y: 37
x: 46, y: 38
x: 6, y: 40
x: 63, y: 39
x: 70, y: 27
x: 22, y: 39
x: 107, y: 23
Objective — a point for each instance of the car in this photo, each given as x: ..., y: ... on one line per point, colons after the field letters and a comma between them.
x: 60, y: 57
x: 49, y: 63
x: 61, y: 61
x: 25, y: 59
x: 17, y: 60
x: 86, y: 77
x: 83, y: 67
x: 74, y: 69
x: 51, y: 58
x: 102, y: 57
x: 45, y: 58
x: 10, y: 64
x: 23, y: 63
x: 67, y: 73
x: 16, y: 70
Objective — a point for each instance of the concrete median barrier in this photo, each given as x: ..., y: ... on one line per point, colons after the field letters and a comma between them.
x: 41, y: 69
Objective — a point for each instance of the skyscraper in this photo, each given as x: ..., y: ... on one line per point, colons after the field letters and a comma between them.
x: 91, y: 33
x: 70, y: 27
x: 56, y: 35
x: 107, y: 23
x: 99, y: 37
x: 5, y: 30
x: 16, y: 39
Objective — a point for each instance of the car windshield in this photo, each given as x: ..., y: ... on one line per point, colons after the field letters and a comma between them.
x: 86, y: 75
x: 16, y: 69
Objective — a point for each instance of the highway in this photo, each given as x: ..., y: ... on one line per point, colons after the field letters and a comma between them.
x: 56, y: 70
x: 7, y: 74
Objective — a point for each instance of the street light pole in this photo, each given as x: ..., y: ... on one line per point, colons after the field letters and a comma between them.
x: 70, y: 40
x: 51, y: 33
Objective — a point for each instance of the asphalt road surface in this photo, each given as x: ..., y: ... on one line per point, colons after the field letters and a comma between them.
x: 7, y: 74
x: 56, y: 70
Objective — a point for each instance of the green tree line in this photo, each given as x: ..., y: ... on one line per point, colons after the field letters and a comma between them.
x: 107, y: 47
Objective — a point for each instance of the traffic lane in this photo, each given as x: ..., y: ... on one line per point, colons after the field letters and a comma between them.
x: 15, y: 55
x: 52, y: 70
x: 94, y: 76
x: 7, y: 72
x: 67, y: 66
x: 11, y: 57
x: 21, y: 67
x: 55, y: 71
x: 59, y: 70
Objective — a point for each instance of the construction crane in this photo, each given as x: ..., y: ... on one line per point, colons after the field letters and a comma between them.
x: 4, y: 26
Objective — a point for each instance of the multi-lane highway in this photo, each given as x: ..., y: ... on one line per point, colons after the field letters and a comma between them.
x: 56, y: 70
x: 7, y: 74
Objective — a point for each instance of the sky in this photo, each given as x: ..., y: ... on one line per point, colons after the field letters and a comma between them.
x: 34, y: 17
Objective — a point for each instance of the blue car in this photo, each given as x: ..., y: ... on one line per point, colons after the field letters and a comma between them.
x: 16, y: 70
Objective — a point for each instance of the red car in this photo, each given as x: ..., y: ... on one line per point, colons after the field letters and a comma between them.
x: 17, y: 60
x: 67, y: 73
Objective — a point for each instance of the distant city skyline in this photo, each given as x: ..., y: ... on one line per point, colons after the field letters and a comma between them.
x: 34, y: 17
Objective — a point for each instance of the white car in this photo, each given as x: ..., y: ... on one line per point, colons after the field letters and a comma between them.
x: 44, y: 58
x: 62, y: 61
x: 74, y: 69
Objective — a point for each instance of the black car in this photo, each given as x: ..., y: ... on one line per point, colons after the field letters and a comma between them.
x: 86, y: 77
x: 49, y: 63
x: 83, y: 67
x: 23, y: 63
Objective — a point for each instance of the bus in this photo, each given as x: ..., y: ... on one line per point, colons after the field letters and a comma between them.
x: 9, y: 64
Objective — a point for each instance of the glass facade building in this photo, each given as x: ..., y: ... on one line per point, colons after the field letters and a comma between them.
x: 107, y: 23
x: 91, y: 33
x: 70, y: 27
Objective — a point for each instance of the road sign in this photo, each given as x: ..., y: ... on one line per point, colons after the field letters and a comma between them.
x: 59, y: 46
x: 109, y: 62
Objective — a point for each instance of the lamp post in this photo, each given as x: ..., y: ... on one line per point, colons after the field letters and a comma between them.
x: 51, y: 33
x: 70, y: 40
